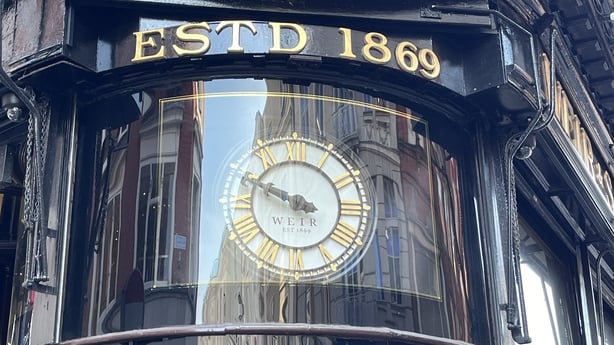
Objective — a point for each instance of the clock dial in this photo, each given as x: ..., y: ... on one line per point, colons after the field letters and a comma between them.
x: 299, y: 208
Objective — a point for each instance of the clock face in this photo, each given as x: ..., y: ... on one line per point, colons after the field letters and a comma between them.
x: 299, y: 208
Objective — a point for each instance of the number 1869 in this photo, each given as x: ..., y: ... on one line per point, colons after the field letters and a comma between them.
x: 407, y: 55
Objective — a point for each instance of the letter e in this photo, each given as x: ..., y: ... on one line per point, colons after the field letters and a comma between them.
x: 142, y: 43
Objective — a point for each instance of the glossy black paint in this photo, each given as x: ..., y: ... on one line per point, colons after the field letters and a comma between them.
x: 91, y: 86
x: 403, y: 10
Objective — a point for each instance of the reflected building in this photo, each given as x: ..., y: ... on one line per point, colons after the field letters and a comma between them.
x: 399, y: 282
x: 148, y: 196
x: 459, y: 157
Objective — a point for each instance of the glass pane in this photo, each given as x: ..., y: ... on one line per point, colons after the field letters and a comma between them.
x: 262, y: 201
x: 608, y: 325
x: 546, y: 295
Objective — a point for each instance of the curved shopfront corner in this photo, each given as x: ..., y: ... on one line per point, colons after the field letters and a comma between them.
x: 244, y: 254
x: 263, y: 200
x: 190, y: 176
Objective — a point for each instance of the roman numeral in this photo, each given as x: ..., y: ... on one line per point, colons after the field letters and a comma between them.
x: 296, y: 261
x: 327, y: 256
x: 297, y: 150
x: 324, y: 156
x: 246, y: 228
x: 265, y: 155
x: 267, y: 251
x: 351, y: 207
x: 243, y: 201
x: 345, y: 179
x: 344, y: 234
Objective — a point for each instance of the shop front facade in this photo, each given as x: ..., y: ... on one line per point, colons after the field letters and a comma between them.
x: 188, y: 172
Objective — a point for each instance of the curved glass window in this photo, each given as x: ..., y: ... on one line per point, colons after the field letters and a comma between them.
x: 249, y: 201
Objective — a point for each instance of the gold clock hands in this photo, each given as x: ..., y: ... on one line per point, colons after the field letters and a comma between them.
x: 296, y: 201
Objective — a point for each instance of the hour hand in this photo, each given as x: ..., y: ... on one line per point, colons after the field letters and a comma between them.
x: 298, y: 202
x: 295, y: 201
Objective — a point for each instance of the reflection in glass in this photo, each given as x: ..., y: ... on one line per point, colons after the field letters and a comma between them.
x: 608, y: 327
x: 168, y: 255
x: 543, y: 283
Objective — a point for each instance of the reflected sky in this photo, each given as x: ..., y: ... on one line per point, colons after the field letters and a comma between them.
x: 222, y: 130
x: 541, y: 315
x: 208, y: 249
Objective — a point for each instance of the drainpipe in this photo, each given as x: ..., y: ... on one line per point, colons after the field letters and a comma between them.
x: 515, y: 307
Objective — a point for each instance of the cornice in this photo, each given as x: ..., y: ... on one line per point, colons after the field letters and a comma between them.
x: 590, y: 32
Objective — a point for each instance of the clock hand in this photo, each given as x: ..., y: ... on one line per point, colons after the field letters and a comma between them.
x: 296, y: 201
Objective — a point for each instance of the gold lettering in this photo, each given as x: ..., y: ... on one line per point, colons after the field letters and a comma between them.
x: 587, y: 149
x: 579, y: 141
x: 145, y: 39
x: 300, y: 32
x: 607, y: 187
x: 406, y: 56
x: 559, y: 103
x: 596, y: 171
x: 409, y: 58
x: 546, y: 76
x: 185, y: 36
x: 572, y: 126
x: 235, y: 25
x: 566, y: 120
x: 430, y: 63
x: 576, y: 132
x: 374, y: 41
x: 347, y: 43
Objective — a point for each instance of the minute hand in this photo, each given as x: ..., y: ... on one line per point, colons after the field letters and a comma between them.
x: 296, y: 201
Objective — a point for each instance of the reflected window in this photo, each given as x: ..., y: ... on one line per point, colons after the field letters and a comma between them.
x: 319, y: 109
x: 304, y: 110
x: 345, y: 114
x: 263, y: 201
x: 107, y: 256
x: 195, y: 223
x: 608, y: 325
x: 390, y: 203
x: 547, y: 297
x: 394, y: 255
x: 367, y: 99
x: 156, y: 185
x: 378, y: 125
